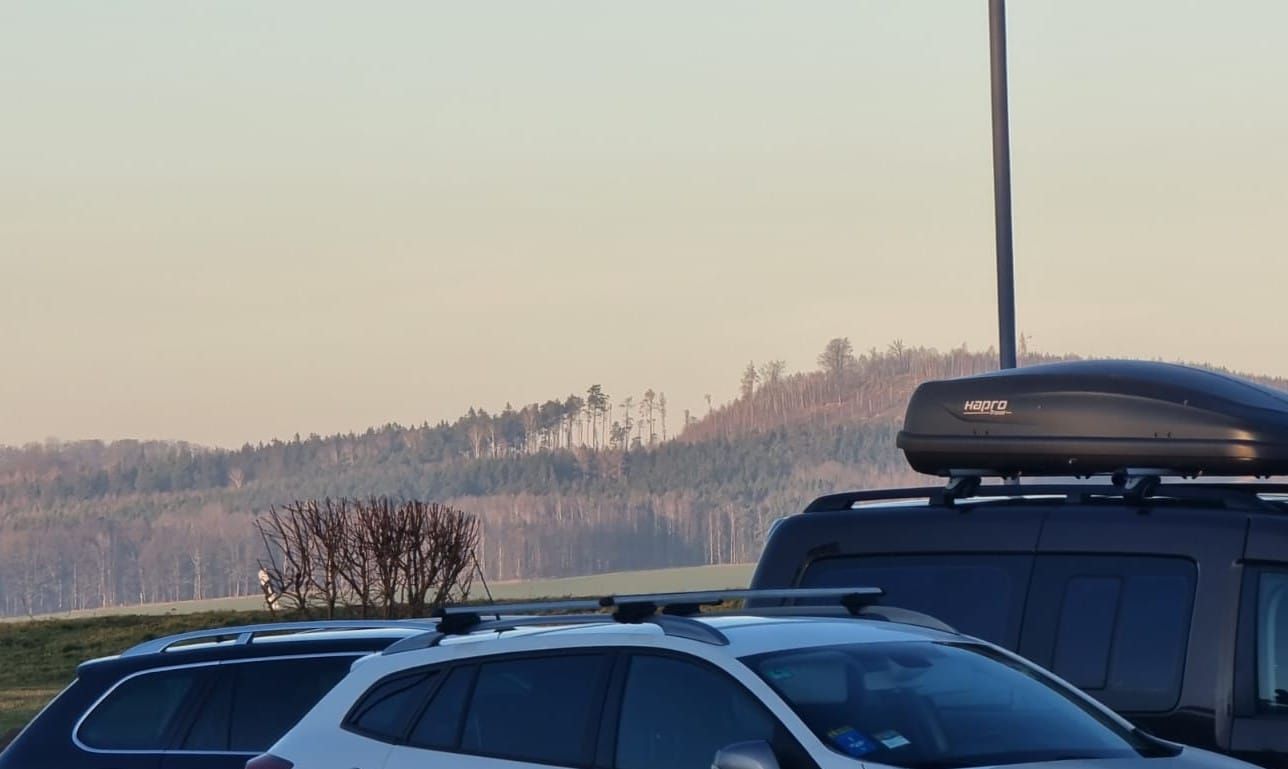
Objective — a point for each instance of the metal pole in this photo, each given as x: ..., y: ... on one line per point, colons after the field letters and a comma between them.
x: 1002, y: 184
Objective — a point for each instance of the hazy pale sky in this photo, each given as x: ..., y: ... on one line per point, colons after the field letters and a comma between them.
x: 225, y: 222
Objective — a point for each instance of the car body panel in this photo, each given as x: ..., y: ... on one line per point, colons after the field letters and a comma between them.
x: 1219, y: 541
x: 50, y: 741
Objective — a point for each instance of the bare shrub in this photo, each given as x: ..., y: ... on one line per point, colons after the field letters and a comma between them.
x: 372, y: 555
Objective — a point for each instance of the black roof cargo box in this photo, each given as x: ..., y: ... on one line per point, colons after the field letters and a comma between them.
x: 1094, y: 417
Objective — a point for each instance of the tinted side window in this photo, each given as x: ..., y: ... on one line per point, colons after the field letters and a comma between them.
x: 1153, y: 633
x: 270, y: 696
x: 209, y: 730
x: 1272, y: 643
x: 384, y: 712
x: 539, y: 709
x: 1117, y: 627
x: 677, y: 714
x: 948, y: 587
x: 440, y: 725
x: 1086, y: 630
x: 139, y: 713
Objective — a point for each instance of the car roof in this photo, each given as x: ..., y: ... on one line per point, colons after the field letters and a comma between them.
x: 745, y: 635
x: 228, y: 646
x: 1233, y: 496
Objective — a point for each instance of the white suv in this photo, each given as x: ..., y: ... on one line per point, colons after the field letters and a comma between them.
x: 656, y: 685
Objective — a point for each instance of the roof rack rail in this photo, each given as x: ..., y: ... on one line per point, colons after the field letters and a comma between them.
x: 672, y: 612
x: 885, y: 613
x: 245, y: 634
x: 636, y: 607
x: 1136, y: 489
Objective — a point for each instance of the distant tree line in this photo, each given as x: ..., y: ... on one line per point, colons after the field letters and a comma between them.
x: 548, y: 501
x: 40, y: 475
x: 552, y: 514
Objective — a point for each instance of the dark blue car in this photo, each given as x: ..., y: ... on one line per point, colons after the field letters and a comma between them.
x: 204, y: 700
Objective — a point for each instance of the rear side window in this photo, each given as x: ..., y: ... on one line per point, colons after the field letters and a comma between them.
x: 385, y: 711
x: 140, y: 712
x: 1272, y: 643
x: 538, y: 709
x: 270, y: 696
x: 1086, y: 633
x: 440, y: 724
x: 1116, y: 627
x: 209, y: 729
x: 949, y: 587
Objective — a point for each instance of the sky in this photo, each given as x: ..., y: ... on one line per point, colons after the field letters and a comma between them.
x: 228, y: 222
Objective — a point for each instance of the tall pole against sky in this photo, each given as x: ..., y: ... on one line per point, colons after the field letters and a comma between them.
x: 1002, y: 184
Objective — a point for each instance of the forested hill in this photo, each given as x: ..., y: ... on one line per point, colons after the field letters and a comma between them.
x: 573, y: 485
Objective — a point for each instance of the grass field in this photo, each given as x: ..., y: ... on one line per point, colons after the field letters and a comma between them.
x: 649, y: 581
x: 40, y: 655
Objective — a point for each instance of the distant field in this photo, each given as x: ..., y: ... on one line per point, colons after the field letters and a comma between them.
x: 40, y: 655
x: 650, y: 581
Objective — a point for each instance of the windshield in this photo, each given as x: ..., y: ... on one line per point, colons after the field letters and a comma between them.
x: 926, y: 705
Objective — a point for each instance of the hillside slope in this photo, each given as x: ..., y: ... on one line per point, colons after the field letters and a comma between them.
x: 562, y: 488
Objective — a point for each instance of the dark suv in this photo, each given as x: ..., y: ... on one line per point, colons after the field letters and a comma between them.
x: 204, y: 700
x: 1165, y: 599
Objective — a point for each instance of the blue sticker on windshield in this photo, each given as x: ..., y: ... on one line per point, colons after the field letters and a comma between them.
x: 851, y: 742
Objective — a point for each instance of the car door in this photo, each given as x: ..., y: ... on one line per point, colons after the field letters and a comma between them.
x: 676, y: 711
x: 1136, y: 607
x: 531, y: 709
x: 1260, y: 730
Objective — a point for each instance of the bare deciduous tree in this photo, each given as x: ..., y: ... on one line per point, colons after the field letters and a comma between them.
x: 289, y: 551
x: 439, y: 550
x: 327, y: 524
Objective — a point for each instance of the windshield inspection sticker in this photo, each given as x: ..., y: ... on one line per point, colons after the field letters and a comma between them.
x: 778, y: 674
x: 891, y: 739
x: 850, y: 742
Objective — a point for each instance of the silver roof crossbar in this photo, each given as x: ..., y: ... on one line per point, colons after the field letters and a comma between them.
x: 672, y: 612
x: 660, y: 601
x: 244, y: 634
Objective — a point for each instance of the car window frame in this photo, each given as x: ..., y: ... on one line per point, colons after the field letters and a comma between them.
x: 179, y: 723
x: 608, y: 665
x: 441, y: 670
x: 409, y: 732
x: 1248, y: 658
x: 185, y: 718
x: 1043, y: 617
x: 1273, y: 712
x: 590, y: 739
x: 787, y: 746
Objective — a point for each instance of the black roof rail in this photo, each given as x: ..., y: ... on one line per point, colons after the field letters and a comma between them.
x: 673, y: 612
x: 1132, y: 489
